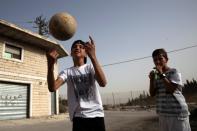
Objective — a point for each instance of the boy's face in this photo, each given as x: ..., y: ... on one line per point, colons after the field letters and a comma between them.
x: 78, y: 50
x: 160, y: 60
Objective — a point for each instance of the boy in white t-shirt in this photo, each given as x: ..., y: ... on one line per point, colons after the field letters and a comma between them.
x: 84, y: 100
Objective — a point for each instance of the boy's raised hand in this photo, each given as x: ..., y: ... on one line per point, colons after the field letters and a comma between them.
x: 90, y: 48
x: 159, y: 68
x: 52, y: 57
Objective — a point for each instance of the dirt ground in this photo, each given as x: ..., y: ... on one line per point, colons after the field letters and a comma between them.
x: 115, y: 121
x: 146, y: 125
x: 35, y: 120
x: 131, y: 120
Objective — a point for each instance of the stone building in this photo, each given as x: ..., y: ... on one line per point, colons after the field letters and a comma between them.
x: 23, y: 73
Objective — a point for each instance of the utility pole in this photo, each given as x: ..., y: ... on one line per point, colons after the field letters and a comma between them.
x: 131, y: 95
x: 113, y: 99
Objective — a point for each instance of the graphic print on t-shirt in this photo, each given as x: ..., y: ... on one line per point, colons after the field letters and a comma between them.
x: 83, y: 86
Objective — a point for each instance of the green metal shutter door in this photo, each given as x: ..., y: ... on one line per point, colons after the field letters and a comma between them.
x: 13, y: 101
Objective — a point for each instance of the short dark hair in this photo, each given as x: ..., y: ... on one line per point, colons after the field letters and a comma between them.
x: 160, y: 51
x: 79, y: 42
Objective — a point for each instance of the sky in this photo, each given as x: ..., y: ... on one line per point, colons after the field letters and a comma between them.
x: 123, y: 30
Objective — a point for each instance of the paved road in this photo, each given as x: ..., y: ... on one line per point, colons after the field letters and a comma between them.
x: 115, y: 121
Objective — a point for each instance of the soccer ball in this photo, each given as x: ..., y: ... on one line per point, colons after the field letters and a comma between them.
x: 62, y: 26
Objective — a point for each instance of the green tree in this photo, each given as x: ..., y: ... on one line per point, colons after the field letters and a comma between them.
x: 42, y: 24
x: 190, y: 87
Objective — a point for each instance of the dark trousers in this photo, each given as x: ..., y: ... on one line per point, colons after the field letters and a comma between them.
x: 88, y: 124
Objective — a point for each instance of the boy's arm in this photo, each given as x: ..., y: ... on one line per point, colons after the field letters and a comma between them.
x: 170, y: 86
x: 99, y: 74
x: 152, y: 88
x: 53, y: 84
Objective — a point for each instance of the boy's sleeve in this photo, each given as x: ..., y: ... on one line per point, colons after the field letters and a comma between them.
x: 63, y: 75
x: 175, y: 77
x: 92, y: 69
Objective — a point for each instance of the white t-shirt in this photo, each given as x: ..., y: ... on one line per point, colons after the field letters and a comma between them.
x: 84, y: 99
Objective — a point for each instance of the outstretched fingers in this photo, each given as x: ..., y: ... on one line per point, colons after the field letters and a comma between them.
x: 91, y: 40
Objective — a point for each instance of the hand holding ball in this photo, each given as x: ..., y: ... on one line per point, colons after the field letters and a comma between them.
x: 62, y: 26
